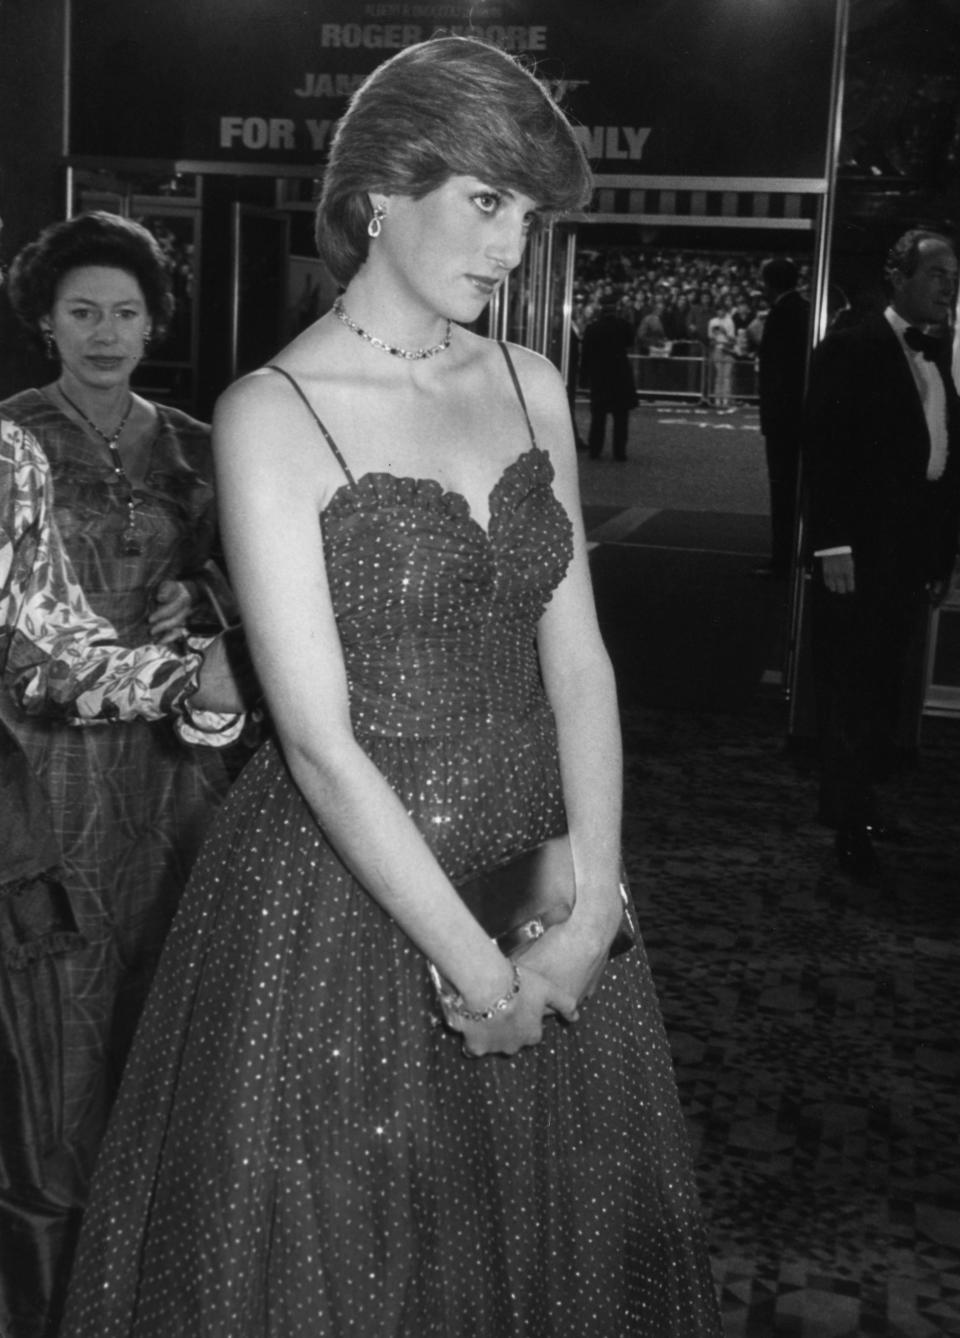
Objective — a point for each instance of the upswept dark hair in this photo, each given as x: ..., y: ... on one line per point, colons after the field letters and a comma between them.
x: 450, y: 106
x: 97, y: 238
x: 904, y: 255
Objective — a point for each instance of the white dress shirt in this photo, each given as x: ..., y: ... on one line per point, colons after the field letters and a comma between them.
x: 933, y: 396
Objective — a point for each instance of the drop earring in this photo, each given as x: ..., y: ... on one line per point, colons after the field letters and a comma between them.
x: 49, y: 345
x: 375, y: 226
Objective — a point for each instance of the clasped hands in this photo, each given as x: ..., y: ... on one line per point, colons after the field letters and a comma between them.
x: 557, y: 972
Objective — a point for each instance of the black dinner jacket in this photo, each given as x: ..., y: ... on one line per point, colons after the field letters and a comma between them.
x: 605, y: 364
x: 782, y: 365
x: 866, y: 453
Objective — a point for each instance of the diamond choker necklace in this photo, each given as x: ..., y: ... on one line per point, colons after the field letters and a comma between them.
x: 411, y: 354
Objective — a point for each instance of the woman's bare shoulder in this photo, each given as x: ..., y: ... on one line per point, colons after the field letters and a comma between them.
x: 262, y: 417
x: 537, y: 373
x: 540, y: 382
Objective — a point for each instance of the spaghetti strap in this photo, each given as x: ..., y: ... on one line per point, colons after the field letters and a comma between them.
x: 272, y: 366
x: 516, y: 382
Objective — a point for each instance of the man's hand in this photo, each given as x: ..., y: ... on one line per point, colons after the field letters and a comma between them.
x: 838, y: 574
x: 938, y: 591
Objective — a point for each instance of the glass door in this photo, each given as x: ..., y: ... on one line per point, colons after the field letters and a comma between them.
x: 259, y: 312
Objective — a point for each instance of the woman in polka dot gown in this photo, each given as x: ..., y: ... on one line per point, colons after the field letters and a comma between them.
x: 308, y: 1142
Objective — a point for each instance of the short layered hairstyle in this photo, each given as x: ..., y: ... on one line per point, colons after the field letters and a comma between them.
x: 450, y: 106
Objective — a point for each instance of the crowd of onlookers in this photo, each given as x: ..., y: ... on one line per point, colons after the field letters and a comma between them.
x: 678, y: 302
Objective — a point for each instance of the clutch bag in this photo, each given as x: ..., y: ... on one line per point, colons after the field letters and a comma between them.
x: 518, y: 901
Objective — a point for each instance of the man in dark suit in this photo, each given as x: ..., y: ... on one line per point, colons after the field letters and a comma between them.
x: 782, y: 371
x: 883, y: 469
x: 605, y: 367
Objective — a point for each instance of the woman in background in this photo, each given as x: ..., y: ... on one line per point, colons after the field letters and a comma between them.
x: 57, y: 657
x: 310, y: 1139
x: 134, y: 504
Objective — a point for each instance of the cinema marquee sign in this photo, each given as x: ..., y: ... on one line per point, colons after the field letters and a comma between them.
x: 654, y: 86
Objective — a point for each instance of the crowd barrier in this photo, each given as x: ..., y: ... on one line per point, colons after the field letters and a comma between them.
x: 690, y: 376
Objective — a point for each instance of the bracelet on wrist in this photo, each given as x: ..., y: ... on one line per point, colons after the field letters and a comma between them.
x: 456, y: 1004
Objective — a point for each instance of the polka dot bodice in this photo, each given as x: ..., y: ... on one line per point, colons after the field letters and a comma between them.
x: 437, y: 617
x: 300, y: 1148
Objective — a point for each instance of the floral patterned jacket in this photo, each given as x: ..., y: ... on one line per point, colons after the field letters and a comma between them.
x: 59, y: 658
x: 56, y: 655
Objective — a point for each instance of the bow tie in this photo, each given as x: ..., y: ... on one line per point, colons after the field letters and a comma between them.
x: 929, y: 345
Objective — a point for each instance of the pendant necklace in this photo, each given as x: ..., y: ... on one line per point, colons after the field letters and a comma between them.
x: 411, y: 354
x: 129, y: 542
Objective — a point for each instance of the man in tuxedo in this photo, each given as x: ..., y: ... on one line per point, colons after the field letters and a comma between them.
x: 883, y: 471
x: 782, y: 370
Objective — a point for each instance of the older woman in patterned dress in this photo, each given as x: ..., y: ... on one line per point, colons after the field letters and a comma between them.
x: 134, y: 504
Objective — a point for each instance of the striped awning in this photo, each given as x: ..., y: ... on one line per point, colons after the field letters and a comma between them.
x: 708, y: 201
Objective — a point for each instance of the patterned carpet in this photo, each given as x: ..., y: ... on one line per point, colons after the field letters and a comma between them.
x: 814, y: 1025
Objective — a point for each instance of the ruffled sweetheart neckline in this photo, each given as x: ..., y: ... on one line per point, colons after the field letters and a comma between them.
x: 448, y: 499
